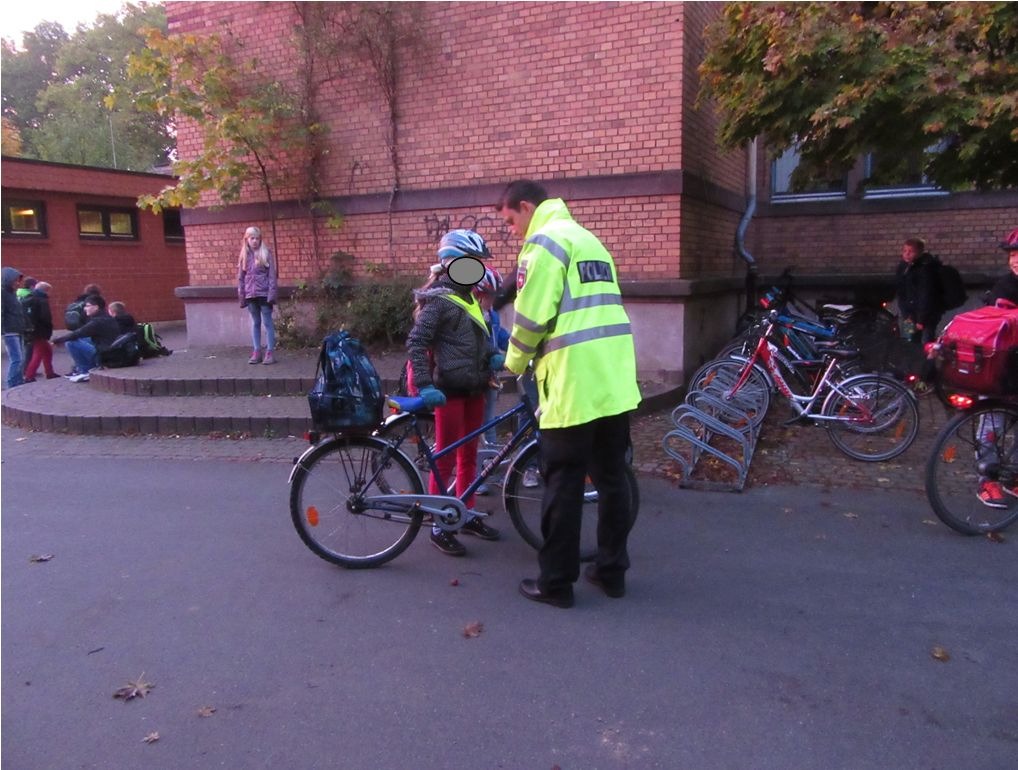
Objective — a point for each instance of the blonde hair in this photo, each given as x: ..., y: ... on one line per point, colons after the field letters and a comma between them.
x: 262, y: 255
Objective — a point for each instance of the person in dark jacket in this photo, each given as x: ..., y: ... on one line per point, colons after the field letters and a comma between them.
x: 14, y: 324
x: 918, y: 290
x: 451, y: 361
x: 1006, y: 286
x: 85, y: 344
x: 42, y: 329
x: 125, y: 321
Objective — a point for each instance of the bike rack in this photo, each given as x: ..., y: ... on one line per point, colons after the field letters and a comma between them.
x: 699, y: 423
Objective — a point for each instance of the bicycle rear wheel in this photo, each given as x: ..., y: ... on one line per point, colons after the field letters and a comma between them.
x: 976, y: 446
x: 524, y: 491
x: 327, y: 501
x: 876, y: 418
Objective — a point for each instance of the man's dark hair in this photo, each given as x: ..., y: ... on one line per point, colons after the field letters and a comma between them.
x: 917, y: 243
x: 521, y: 190
x: 29, y: 283
x: 97, y: 300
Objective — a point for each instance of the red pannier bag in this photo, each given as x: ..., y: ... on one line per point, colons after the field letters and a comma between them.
x: 978, y: 351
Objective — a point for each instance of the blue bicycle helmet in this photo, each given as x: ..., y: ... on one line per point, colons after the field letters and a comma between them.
x: 462, y: 243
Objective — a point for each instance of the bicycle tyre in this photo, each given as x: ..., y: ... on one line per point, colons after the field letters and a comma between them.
x: 523, y: 504
x: 953, y: 471
x: 324, y: 488
x: 878, y: 417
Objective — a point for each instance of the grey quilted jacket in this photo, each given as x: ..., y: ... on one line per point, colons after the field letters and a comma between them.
x: 460, y: 349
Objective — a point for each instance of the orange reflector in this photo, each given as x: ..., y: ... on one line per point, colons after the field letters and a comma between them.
x: 312, y: 516
x: 950, y: 453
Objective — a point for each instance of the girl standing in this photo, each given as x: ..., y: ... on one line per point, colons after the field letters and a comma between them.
x: 256, y: 288
x: 450, y: 353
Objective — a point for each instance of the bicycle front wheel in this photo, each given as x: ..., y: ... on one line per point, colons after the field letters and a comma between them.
x: 975, y: 448
x: 873, y: 418
x: 328, y: 491
x: 524, y: 491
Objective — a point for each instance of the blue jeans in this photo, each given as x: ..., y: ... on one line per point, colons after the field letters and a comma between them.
x: 261, y: 315
x: 16, y: 360
x: 83, y: 353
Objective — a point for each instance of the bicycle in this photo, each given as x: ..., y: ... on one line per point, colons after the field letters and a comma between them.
x: 359, y: 501
x: 976, y: 445
x: 868, y: 417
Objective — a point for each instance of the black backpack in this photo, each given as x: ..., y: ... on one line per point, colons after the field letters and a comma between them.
x: 347, y: 391
x: 29, y: 307
x: 74, y: 316
x: 150, y: 344
x: 952, y: 287
x: 123, y: 351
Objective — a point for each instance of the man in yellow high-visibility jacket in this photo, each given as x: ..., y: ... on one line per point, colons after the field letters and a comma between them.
x: 571, y: 323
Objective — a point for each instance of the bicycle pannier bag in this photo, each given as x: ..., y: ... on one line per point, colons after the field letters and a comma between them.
x: 979, y: 351
x: 348, y: 391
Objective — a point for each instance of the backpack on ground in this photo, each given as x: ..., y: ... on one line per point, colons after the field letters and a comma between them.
x: 123, y: 351
x: 74, y: 315
x: 150, y: 344
x: 952, y: 287
x: 978, y: 351
x: 347, y: 391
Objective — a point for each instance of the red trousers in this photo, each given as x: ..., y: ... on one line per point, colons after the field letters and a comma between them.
x: 459, y: 416
x: 42, y: 353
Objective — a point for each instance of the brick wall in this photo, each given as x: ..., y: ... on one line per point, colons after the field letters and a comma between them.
x: 142, y: 273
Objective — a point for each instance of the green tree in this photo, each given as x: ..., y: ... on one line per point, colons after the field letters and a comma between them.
x: 29, y: 70
x: 930, y: 80
x: 11, y: 144
x: 250, y: 123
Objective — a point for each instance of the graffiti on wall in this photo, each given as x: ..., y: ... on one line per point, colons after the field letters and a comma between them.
x: 491, y: 227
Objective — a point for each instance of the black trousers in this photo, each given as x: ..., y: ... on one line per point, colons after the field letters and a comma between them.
x: 569, y: 455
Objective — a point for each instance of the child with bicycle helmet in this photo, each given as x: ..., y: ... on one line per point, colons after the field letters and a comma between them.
x: 451, y: 360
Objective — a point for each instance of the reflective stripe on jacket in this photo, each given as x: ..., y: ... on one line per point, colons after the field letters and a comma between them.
x: 570, y: 319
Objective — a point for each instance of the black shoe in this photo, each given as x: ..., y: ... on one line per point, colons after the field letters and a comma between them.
x: 447, y: 543
x: 530, y: 589
x: 478, y: 528
x: 615, y: 589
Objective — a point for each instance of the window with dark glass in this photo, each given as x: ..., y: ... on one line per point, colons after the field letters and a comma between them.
x: 107, y: 222
x: 22, y: 217
x: 173, y: 229
x: 897, y: 175
x: 786, y: 185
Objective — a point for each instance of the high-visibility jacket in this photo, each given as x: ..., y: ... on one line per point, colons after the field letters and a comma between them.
x: 570, y: 320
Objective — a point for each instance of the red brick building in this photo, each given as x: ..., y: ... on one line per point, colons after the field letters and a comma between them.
x: 74, y: 225
x: 596, y: 100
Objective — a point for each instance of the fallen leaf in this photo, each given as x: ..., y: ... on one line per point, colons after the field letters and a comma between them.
x: 882, y: 480
x: 150, y: 738
x: 930, y: 522
x: 939, y: 653
x: 22, y: 438
x: 995, y: 537
x: 137, y: 689
x: 38, y: 557
x: 473, y: 630
x: 850, y: 515
x: 454, y: 582
x: 206, y: 711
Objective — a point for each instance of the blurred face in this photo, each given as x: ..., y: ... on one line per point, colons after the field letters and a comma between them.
x: 518, y: 221
x: 253, y: 241
x: 1012, y: 261
x: 909, y: 253
x: 91, y: 308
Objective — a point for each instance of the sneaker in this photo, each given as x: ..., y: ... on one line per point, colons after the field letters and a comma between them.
x: 256, y: 357
x: 79, y: 377
x: 447, y: 543
x: 269, y: 358
x: 478, y: 528
x: 991, y: 494
x: 614, y: 589
x: 531, y: 478
x: 53, y: 376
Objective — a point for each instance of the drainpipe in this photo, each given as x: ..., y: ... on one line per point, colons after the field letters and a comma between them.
x: 740, y: 232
